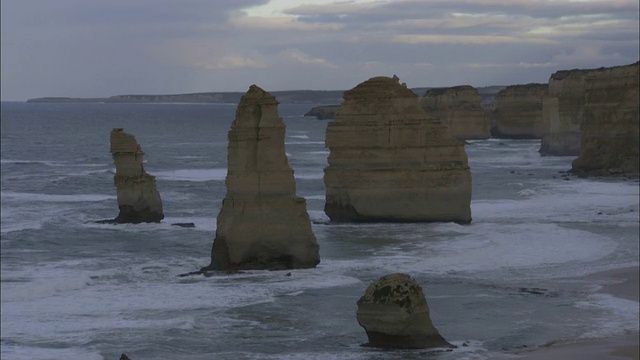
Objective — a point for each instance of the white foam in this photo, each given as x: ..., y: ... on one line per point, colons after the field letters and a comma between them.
x: 619, y: 316
x: 195, y: 175
x: 309, y: 175
x: 298, y: 136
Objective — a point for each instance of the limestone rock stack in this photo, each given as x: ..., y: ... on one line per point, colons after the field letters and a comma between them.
x: 389, y: 161
x: 609, y: 128
x: 394, y: 313
x: 459, y: 108
x: 518, y: 112
x: 262, y: 223
x: 138, y: 198
x: 562, y: 113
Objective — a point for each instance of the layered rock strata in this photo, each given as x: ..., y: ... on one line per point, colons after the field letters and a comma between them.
x: 609, y: 128
x: 389, y: 161
x: 460, y: 109
x: 394, y: 313
x: 138, y: 198
x: 562, y: 113
x: 262, y: 223
x: 518, y: 112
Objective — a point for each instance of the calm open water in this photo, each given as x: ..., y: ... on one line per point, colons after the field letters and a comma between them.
x: 75, y: 289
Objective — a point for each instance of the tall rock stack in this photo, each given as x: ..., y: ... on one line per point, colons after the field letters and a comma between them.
x: 262, y: 223
x: 138, y: 199
x: 389, y: 161
x: 459, y: 108
x: 394, y: 313
x: 609, y: 129
x: 562, y: 113
x: 518, y: 112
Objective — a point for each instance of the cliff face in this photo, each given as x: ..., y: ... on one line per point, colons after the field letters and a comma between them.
x: 459, y: 109
x: 518, y: 112
x: 609, y: 128
x: 389, y: 161
x: 562, y: 113
x: 262, y: 223
x: 138, y: 198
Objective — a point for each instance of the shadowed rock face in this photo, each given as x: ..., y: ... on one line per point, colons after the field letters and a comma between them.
x: 609, y: 128
x: 262, y: 223
x: 562, y: 113
x: 518, y: 112
x: 138, y: 198
x: 459, y: 108
x: 395, y: 314
x: 389, y: 161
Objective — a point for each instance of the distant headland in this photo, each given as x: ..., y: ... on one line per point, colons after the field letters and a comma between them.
x: 283, y: 97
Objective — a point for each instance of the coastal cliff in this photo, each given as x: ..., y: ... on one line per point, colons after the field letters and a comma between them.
x: 460, y: 109
x: 562, y: 113
x: 609, y: 128
x: 518, y: 112
x: 389, y: 161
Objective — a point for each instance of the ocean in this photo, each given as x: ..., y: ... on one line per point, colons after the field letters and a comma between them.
x: 513, y: 279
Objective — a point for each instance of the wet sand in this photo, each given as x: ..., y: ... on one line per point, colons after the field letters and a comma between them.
x: 624, y: 284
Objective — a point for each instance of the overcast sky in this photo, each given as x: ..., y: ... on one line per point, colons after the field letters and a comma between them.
x: 84, y: 48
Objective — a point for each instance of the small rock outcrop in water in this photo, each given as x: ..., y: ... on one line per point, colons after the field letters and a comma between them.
x: 610, y: 123
x: 323, y: 112
x: 389, y: 161
x: 518, y: 112
x: 395, y: 314
x: 138, y: 198
x: 459, y: 108
x: 262, y: 223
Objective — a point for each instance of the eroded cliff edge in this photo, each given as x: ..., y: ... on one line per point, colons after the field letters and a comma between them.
x: 459, y: 108
x: 518, y: 112
x: 610, y: 122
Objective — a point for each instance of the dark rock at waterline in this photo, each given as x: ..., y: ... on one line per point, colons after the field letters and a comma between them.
x: 124, y: 357
x: 394, y: 313
x: 185, y: 225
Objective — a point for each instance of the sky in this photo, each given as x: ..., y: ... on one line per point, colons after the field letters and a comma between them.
x: 88, y: 48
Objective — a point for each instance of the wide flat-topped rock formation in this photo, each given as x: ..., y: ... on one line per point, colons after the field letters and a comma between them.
x: 459, y: 108
x: 389, y: 161
x: 394, y: 313
x: 518, y: 112
x: 610, y: 119
x: 262, y: 223
x: 138, y: 198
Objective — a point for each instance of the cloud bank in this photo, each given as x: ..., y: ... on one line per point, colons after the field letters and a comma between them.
x: 83, y: 48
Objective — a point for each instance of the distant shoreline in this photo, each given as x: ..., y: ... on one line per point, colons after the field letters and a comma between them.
x: 327, y: 97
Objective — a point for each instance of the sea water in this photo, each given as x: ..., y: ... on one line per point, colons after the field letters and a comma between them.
x: 74, y: 289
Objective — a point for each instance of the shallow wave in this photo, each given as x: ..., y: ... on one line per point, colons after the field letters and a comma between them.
x: 35, y: 197
x: 195, y: 175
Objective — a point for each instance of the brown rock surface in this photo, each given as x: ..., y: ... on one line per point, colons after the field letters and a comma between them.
x: 262, y: 223
x: 518, y: 112
x: 395, y: 314
x: 459, y: 108
x: 562, y: 113
x: 389, y: 161
x: 609, y: 128
x: 138, y: 198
